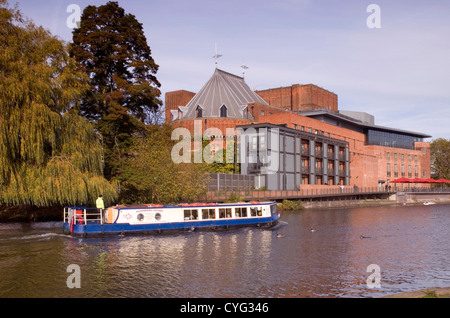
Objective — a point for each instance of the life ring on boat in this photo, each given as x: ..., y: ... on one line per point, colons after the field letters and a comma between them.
x: 72, y: 221
x: 79, y: 216
x: 254, y: 202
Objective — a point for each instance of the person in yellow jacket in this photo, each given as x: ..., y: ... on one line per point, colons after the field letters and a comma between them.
x: 100, y: 205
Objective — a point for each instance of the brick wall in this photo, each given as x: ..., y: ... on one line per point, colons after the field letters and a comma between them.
x: 175, y: 99
x: 209, y: 123
x: 300, y: 97
x: 257, y: 110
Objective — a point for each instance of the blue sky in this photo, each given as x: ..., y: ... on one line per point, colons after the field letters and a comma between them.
x: 400, y: 73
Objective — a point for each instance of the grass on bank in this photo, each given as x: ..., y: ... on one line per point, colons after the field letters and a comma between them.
x: 288, y: 205
x: 433, y: 294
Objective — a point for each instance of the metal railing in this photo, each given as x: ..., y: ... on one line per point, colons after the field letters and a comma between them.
x: 422, y: 189
x: 293, y: 194
x: 332, y: 191
x: 83, y: 215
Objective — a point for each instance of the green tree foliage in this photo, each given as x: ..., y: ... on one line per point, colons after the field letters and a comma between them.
x: 111, y: 49
x: 221, y: 160
x: 48, y: 154
x: 440, y: 158
x: 150, y: 175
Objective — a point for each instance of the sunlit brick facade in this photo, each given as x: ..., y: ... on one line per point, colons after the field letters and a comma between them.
x: 376, y: 154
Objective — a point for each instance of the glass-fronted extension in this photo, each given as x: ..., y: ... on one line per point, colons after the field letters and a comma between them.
x: 282, y: 158
x: 391, y: 139
x: 374, y: 134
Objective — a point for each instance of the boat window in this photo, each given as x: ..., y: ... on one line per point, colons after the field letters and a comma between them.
x: 158, y: 216
x: 225, y: 213
x: 208, y: 214
x: 191, y: 214
x: 240, y: 212
x: 273, y: 209
x: 255, y: 211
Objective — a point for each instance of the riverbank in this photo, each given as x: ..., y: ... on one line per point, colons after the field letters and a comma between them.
x: 350, y: 204
x: 424, y: 293
x: 27, y: 213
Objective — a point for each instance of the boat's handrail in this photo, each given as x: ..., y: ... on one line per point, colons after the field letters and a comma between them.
x: 83, y: 215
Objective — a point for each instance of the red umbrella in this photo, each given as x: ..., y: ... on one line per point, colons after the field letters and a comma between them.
x: 417, y: 180
x: 431, y: 181
x: 443, y: 181
x: 401, y: 180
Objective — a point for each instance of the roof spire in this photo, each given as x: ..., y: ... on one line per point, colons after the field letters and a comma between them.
x: 216, y: 56
x: 244, y: 67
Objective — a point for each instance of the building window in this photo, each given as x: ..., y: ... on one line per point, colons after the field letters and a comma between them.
x: 403, y: 170
x: 254, y: 143
x: 409, y: 171
x: 395, y: 156
x: 388, y: 155
x: 395, y: 170
x: 199, y: 112
x: 223, y: 111
x: 388, y: 170
x: 391, y: 139
x: 262, y: 112
x: 416, y: 171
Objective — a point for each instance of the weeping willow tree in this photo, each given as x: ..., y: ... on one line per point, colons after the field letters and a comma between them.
x: 49, y: 155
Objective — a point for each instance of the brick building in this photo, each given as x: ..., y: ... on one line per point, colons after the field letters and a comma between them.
x: 307, y: 114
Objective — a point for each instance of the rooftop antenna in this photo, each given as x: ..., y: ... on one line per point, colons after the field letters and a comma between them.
x: 216, y: 56
x: 244, y: 67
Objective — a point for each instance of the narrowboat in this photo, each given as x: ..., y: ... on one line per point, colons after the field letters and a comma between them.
x: 167, y: 218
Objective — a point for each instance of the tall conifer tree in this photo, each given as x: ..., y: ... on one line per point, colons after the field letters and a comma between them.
x: 111, y: 48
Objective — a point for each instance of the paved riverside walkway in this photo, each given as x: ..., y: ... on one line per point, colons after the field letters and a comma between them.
x: 334, y: 193
x: 325, y: 194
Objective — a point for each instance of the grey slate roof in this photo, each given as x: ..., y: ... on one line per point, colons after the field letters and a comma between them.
x: 221, y: 89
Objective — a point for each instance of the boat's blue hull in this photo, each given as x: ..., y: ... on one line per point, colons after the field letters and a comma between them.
x: 122, y: 228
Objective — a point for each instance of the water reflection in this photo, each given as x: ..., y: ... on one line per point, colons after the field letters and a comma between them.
x: 410, y: 244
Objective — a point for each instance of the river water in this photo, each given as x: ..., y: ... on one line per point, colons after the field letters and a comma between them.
x: 409, y: 246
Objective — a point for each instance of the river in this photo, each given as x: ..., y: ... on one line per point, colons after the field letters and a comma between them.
x: 312, y: 253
